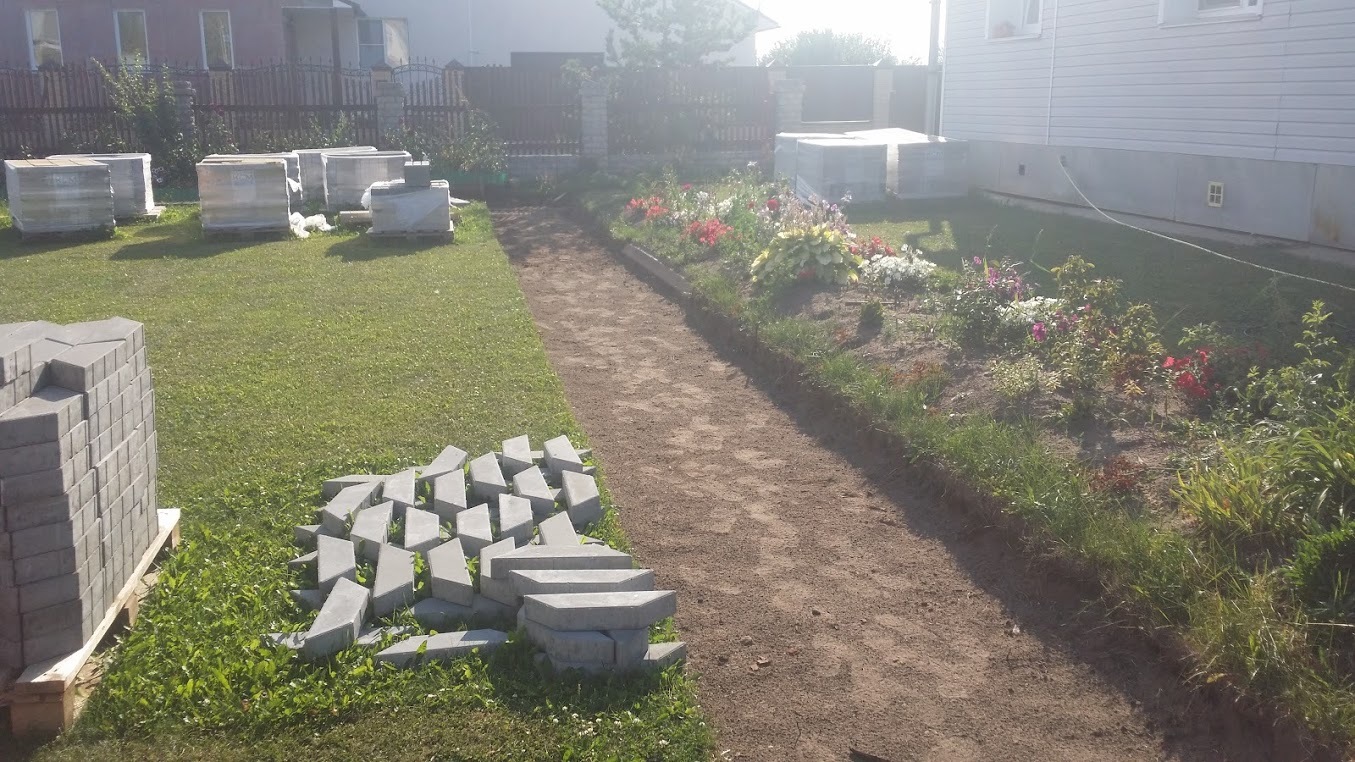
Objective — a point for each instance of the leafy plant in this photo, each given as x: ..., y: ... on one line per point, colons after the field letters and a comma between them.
x: 1020, y: 379
x: 824, y: 47
x: 675, y: 33
x: 1304, y: 392
x: 976, y: 307
x: 872, y: 314
x: 1323, y: 574
x: 814, y: 253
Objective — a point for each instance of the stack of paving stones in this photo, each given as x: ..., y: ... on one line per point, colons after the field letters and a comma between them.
x: 77, y: 480
x: 477, y: 543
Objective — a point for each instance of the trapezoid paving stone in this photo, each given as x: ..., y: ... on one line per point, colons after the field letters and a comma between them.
x: 394, y: 585
x: 336, y: 562
x: 486, y: 478
x: 515, y: 518
x: 304, y: 560
x: 399, y: 489
x: 499, y: 590
x: 449, y: 494
x: 450, y: 576
x: 305, y: 534
x: 531, y: 484
x: 373, y: 636
x: 440, y: 647
x: 631, y: 646
x: 371, y: 529
x: 435, y: 614
x: 292, y: 640
x: 561, y: 557
x: 662, y: 655
x: 339, y: 622
x: 586, y: 540
x: 310, y: 600
x: 548, y: 581
x: 489, y: 553
x: 558, y: 530
x: 560, y: 456
x: 450, y: 459
x: 575, y: 647
x: 473, y: 527
x: 517, y: 455
x: 485, y: 609
x: 333, y: 487
x: 43, y: 417
x: 423, y: 531
x: 582, y: 498
x: 600, y: 611
x: 338, y: 512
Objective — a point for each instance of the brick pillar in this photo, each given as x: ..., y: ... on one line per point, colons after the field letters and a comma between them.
x: 790, y: 97
x: 390, y: 102
x: 884, y: 98
x: 184, y: 95
x: 593, y: 110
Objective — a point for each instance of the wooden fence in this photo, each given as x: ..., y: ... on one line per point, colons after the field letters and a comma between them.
x: 654, y: 111
x: 536, y: 110
x: 272, y: 108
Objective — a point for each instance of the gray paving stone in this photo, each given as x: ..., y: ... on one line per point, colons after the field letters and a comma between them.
x: 399, y: 489
x: 558, y: 530
x: 547, y: 581
x: 43, y: 417
x: 436, y: 614
x: 586, y: 540
x: 450, y: 459
x: 631, y: 646
x: 423, y: 531
x: 486, y: 479
x: 515, y: 518
x: 394, y: 586
x: 490, y: 552
x: 450, y: 577
x: 662, y: 655
x: 581, y: 498
x: 572, y: 647
x: 449, y: 495
x: 371, y: 529
x: 472, y: 526
x: 339, y: 622
x: 61, y: 617
x: 517, y: 455
x: 46, y: 456
x: 16, y: 358
x: 531, y: 484
x: 305, y: 534
x: 336, y: 562
x: 600, y: 611
x: 561, y: 456
x: 82, y: 367
x: 332, y: 487
x: 373, y: 636
x: 109, y: 329
x: 560, y: 557
x: 338, y: 512
x: 485, y: 609
x: 303, y: 561
x: 441, y: 647
x: 293, y: 640
x: 55, y: 510
x: 310, y: 600
x: 499, y: 590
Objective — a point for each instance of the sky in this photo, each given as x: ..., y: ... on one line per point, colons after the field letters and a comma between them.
x: 905, y: 23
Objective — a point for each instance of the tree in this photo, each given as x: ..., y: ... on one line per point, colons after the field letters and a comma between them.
x: 824, y: 47
x: 675, y: 32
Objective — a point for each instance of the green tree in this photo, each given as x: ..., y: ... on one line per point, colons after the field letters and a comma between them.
x: 675, y: 33
x: 824, y: 47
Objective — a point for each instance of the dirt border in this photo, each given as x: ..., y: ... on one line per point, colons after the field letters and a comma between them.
x: 788, y: 376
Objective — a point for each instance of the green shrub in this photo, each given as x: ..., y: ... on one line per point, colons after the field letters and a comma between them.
x: 818, y: 252
x: 1017, y: 380
x: 1321, y: 574
x: 872, y: 314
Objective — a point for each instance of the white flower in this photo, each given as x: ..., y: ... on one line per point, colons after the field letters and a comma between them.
x: 1029, y: 311
x: 896, y: 272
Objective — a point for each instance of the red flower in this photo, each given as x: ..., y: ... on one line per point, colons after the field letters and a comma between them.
x: 686, y: 187
x: 774, y: 204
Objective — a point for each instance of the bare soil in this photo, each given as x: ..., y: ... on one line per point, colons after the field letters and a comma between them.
x: 829, y: 603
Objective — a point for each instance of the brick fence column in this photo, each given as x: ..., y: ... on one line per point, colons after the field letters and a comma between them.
x: 183, y: 108
x: 390, y: 102
x: 790, y: 98
x: 593, y: 112
x: 884, y: 98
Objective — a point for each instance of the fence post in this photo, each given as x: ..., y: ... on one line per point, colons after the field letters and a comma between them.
x: 183, y: 108
x: 933, y: 116
x: 790, y: 100
x: 884, y: 98
x: 593, y: 115
x: 390, y: 102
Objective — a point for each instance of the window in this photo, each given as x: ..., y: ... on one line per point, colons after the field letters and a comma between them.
x: 1014, y: 18
x: 130, y: 27
x: 1214, y: 196
x: 44, y: 38
x: 217, y: 48
x: 1206, y: 11
x: 382, y: 41
x: 1227, y: 6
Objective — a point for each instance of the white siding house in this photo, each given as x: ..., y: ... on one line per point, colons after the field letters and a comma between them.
x: 1148, y: 102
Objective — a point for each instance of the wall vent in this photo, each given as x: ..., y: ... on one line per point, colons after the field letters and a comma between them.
x: 1214, y: 196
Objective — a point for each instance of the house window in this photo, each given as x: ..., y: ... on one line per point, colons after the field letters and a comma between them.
x: 130, y: 27
x: 1227, y: 6
x: 382, y: 41
x: 1204, y: 11
x: 1014, y: 18
x: 218, y: 50
x: 44, y: 38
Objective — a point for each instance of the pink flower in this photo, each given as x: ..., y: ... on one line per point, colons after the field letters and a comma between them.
x: 1038, y: 331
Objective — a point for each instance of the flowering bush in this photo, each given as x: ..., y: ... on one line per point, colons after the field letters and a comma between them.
x: 890, y: 272
x: 1192, y: 374
x: 814, y: 253
x: 709, y: 232
x: 875, y: 247
x: 1029, y: 313
x: 977, y: 306
x: 646, y: 209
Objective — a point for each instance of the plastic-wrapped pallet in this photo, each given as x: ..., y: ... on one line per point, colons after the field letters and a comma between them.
x: 77, y: 472
x: 293, y: 170
x: 785, y: 149
x: 399, y: 208
x: 59, y: 195
x: 841, y: 168
x: 244, y: 195
x: 921, y: 165
x: 313, y: 170
x: 133, y: 191
x: 349, y: 175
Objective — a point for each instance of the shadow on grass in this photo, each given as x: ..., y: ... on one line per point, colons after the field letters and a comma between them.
x: 364, y: 248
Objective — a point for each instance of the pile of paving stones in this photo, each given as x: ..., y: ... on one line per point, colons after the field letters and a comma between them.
x: 496, y: 539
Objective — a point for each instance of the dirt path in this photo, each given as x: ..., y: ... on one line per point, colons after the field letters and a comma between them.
x: 889, y: 625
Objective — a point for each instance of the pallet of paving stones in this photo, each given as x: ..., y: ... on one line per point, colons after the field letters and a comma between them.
x: 448, y: 236
x: 247, y: 234
x: 499, y: 536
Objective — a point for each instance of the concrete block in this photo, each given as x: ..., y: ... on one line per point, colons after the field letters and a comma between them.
x: 339, y: 622
x: 43, y: 417
x: 371, y: 530
x: 53, y: 590
x: 300, y: 562
x: 332, y: 487
x: 441, y: 647
x: 422, y: 531
x: 499, y: 590
x: 662, y: 655
x: 292, y: 640
x: 305, y: 534
x: 581, y: 498
x: 54, y: 619
x: 517, y: 455
x: 486, y: 609
x: 449, y: 494
x: 473, y: 527
x: 437, y: 614
x: 336, y: 562
x: 52, y: 646
x: 394, y: 586
x: 45, y: 565
x: 450, y: 576
x: 338, y: 512
x: 486, y: 479
x: 631, y: 646
x: 109, y: 329
x: 45, y: 538
x: 399, y: 489
x: 558, y: 530
x: 574, y: 647
x: 489, y: 553
x: 561, y: 456
x: 547, y: 581
x: 515, y: 519
x: 560, y: 557
x: 309, y: 600
x: 64, y: 507
x: 16, y: 356
x: 46, y: 456
x: 531, y: 484
x: 450, y: 459
x: 600, y: 611
x: 82, y: 367
x: 374, y: 636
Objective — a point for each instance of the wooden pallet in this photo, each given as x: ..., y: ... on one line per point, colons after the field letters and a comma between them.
x: 248, y: 234
x: 43, y: 701
x: 90, y: 234
x: 447, y: 236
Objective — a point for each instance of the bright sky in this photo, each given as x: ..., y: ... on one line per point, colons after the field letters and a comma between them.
x: 905, y: 23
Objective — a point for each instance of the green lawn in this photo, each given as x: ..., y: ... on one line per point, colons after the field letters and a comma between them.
x: 277, y: 364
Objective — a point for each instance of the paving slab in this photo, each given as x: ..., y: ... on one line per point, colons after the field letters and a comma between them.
x: 486, y: 478
x: 472, y: 526
x: 338, y: 512
x: 371, y: 529
x: 631, y: 646
x: 575, y: 647
x: 332, y: 487
x: 336, y: 562
x: 305, y: 534
x: 531, y: 484
x: 441, y: 647
x: 43, y: 417
x: 450, y: 459
x: 435, y: 614
x: 450, y: 576
x: 485, y: 609
x: 600, y: 611
x: 547, y: 581
x: 662, y: 655
x: 303, y: 561
x: 517, y: 455
x: 560, y: 456
x: 581, y: 498
x: 399, y: 489
x: 394, y: 585
x: 558, y: 530
x: 373, y: 636
x: 449, y: 495
x: 489, y: 553
x: 310, y: 600
x: 516, y: 518
x: 561, y: 557
x: 339, y: 622
x: 423, y: 530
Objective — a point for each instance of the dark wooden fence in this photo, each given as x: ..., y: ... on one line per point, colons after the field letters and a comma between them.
x: 909, y: 106
x: 836, y: 93
x: 657, y: 111
x: 536, y: 110
x: 275, y: 107
x: 43, y: 112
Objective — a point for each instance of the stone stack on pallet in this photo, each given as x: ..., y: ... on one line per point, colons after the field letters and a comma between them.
x: 60, y: 196
x: 240, y: 195
x: 498, y: 536
x: 414, y: 205
x: 349, y: 175
x: 133, y: 190
x: 291, y: 158
x: 312, y: 169
x: 77, y: 480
